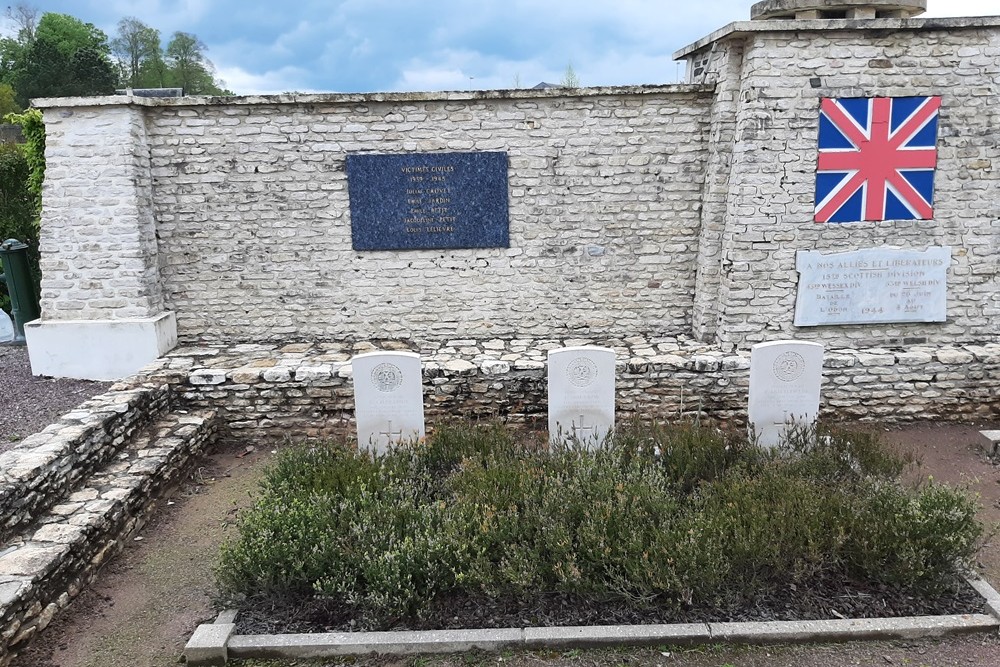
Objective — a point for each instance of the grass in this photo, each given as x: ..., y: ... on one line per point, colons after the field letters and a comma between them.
x: 680, y: 514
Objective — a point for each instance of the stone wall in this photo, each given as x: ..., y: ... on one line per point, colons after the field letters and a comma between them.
x: 786, y: 68
x: 654, y: 211
x: 305, y: 390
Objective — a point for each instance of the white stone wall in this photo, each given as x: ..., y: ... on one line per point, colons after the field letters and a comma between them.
x: 255, y: 235
x: 771, y: 182
x: 647, y: 211
x: 98, y: 237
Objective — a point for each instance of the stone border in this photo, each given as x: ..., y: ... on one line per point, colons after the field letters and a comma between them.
x: 305, y: 389
x: 216, y: 643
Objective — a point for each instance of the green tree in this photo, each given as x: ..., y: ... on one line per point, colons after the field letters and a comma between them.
x: 8, y: 101
x: 66, y: 57
x: 137, y: 48
x: 70, y: 34
x: 189, y: 68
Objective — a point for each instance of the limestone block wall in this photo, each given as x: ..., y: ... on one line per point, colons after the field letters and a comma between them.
x: 784, y: 75
x: 605, y: 186
x: 305, y: 390
x: 98, y: 241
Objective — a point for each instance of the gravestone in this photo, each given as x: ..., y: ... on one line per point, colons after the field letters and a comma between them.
x: 388, y: 399
x: 785, y: 378
x: 7, y: 332
x: 581, y: 394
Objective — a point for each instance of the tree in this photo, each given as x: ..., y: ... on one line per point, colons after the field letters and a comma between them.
x: 69, y: 34
x: 570, y: 79
x: 48, y: 72
x: 8, y: 100
x: 189, y: 68
x: 25, y: 17
x: 137, y: 47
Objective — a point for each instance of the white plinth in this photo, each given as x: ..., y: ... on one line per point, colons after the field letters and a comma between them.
x: 98, y: 349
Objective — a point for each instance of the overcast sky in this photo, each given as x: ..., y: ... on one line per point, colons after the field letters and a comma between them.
x: 275, y: 46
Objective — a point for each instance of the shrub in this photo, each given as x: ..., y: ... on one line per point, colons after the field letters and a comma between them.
x: 18, y: 207
x: 677, y: 515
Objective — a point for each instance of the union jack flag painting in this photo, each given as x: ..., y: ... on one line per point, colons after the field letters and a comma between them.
x: 876, y: 159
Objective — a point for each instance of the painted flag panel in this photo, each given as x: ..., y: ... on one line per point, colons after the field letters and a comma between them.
x: 876, y: 159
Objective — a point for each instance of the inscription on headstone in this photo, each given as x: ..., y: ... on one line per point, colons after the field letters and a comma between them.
x: 785, y: 378
x: 428, y: 200
x: 581, y: 386
x: 872, y: 286
x: 388, y: 399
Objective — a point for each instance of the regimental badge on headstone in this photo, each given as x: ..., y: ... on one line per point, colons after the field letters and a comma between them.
x: 785, y: 378
x: 581, y: 389
x: 877, y: 158
x: 388, y: 399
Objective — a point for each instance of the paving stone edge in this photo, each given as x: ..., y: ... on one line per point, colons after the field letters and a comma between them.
x: 215, y: 644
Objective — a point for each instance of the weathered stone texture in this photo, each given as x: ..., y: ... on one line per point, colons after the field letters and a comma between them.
x: 255, y: 234
x: 772, y: 179
x: 98, y: 242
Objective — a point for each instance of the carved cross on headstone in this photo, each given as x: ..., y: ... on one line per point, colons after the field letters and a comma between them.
x: 581, y: 431
x: 389, y: 434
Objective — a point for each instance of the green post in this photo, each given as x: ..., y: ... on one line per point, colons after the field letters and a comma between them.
x: 17, y: 275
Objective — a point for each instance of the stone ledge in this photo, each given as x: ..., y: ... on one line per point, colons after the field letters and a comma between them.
x: 43, y: 468
x: 218, y: 644
x: 59, y: 554
x: 305, y: 389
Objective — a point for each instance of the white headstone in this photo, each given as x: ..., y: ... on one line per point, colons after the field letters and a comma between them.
x: 6, y: 328
x: 581, y: 394
x: 785, y: 378
x: 388, y: 399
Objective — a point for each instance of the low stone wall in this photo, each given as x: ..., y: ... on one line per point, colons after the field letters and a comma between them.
x: 40, y: 470
x: 41, y: 571
x: 305, y: 390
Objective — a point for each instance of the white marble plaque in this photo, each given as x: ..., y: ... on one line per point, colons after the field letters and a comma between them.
x: 6, y: 328
x: 388, y: 399
x: 581, y: 394
x: 873, y: 285
x: 785, y: 378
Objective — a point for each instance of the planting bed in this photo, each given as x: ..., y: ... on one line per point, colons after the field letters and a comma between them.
x: 597, y: 538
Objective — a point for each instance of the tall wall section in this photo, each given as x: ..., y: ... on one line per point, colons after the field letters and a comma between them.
x: 254, y: 230
x: 787, y: 68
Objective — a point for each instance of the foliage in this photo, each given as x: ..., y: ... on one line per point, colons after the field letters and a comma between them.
x: 8, y: 102
x: 137, y: 47
x: 60, y: 55
x: 33, y: 129
x: 189, y: 68
x: 65, y: 57
x: 18, y: 212
x: 676, y: 514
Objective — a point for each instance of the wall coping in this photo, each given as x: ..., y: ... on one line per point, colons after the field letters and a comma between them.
x: 740, y: 29
x: 388, y: 97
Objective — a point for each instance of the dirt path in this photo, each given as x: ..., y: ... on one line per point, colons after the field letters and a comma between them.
x: 148, y: 601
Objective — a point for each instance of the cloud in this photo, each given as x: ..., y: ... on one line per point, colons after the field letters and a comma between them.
x: 272, y: 82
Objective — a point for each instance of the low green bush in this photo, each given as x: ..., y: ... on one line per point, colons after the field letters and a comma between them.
x: 679, y: 515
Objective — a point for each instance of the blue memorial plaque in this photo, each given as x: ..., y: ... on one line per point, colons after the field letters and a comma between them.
x: 428, y: 200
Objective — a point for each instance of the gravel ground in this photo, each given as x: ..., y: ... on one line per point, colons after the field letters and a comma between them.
x: 28, y: 403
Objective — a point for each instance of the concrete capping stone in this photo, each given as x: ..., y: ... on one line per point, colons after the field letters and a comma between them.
x: 331, y: 644
x: 989, y: 441
x: 354, y: 98
x: 207, y: 645
x: 739, y: 29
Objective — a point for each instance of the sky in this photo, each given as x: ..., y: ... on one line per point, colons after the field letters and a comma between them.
x: 275, y: 46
